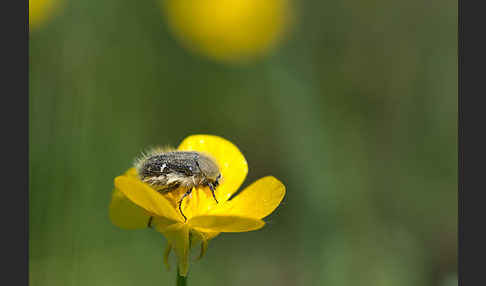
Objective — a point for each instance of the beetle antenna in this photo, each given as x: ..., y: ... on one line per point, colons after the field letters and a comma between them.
x: 212, y: 192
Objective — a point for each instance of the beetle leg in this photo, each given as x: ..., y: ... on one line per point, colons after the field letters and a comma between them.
x: 180, y: 202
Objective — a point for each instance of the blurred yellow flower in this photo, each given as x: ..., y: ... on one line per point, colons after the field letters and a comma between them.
x: 229, y: 30
x: 136, y: 205
x: 40, y: 11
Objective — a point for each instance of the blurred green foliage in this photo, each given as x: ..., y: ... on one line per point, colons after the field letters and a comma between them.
x: 355, y: 112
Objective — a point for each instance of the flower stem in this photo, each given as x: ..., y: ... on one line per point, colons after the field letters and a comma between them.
x: 181, y: 280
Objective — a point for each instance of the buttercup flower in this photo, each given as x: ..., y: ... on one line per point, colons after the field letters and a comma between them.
x: 40, y: 11
x: 229, y: 30
x: 136, y: 205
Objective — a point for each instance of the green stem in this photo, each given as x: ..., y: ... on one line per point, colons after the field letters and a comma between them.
x: 181, y: 280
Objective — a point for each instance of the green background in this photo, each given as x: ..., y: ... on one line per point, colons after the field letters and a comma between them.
x: 355, y: 112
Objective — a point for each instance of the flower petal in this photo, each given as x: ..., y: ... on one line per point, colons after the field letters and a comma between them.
x: 232, y: 163
x: 258, y: 200
x: 224, y: 223
x: 178, y: 237
x: 125, y: 214
x: 146, y: 197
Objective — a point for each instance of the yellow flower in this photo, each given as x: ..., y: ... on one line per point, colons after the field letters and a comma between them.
x: 136, y: 205
x: 229, y: 30
x: 40, y: 11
